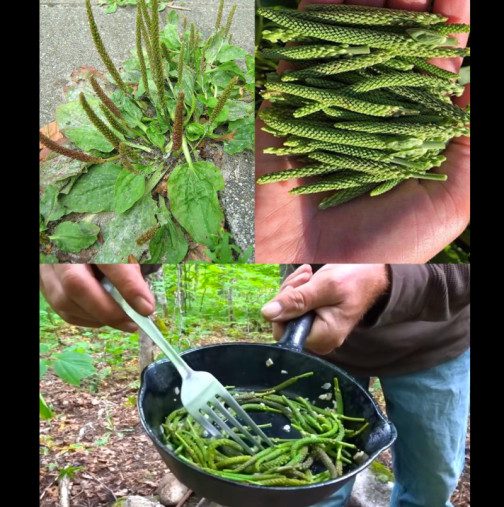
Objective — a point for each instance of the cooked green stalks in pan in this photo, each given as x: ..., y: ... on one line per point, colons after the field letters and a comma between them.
x: 324, y: 450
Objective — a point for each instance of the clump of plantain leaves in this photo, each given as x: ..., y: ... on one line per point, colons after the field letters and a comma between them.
x: 130, y: 184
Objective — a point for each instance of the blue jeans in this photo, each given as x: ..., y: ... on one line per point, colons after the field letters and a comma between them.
x: 430, y: 410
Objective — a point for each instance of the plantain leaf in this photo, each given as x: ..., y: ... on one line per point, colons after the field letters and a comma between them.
x: 93, y: 191
x: 73, y: 237
x: 194, y: 200
x: 129, y: 188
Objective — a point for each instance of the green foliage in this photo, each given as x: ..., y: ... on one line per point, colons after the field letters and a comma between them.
x: 68, y: 472
x: 73, y: 237
x: 132, y: 132
x: 213, y: 296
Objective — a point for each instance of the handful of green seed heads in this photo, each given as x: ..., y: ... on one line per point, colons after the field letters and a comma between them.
x: 322, y: 453
x: 363, y: 107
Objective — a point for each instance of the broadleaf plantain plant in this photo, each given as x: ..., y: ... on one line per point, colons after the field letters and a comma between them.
x: 135, y: 149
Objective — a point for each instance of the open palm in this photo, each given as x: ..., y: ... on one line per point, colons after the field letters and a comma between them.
x: 409, y: 224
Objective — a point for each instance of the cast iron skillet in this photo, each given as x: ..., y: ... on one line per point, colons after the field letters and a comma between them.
x: 244, y: 365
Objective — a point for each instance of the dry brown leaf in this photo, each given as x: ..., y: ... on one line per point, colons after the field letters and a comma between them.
x: 226, y: 137
x: 52, y: 131
x: 197, y: 253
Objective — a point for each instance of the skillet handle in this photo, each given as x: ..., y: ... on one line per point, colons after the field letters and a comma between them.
x: 296, y: 332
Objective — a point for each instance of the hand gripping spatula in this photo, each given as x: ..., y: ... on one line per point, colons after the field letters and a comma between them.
x: 204, y: 397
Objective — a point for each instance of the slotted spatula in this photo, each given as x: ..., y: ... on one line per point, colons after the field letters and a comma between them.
x: 202, y: 394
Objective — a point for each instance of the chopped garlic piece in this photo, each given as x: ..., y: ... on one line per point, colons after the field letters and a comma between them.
x: 326, y: 396
x: 177, y: 391
x: 269, y: 362
x: 287, y: 427
x: 327, y: 385
x: 284, y: 372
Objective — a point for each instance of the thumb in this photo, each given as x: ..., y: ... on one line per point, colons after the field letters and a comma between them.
x: 293, y: 303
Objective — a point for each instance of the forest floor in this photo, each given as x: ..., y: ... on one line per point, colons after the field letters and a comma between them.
x: 96, y: 437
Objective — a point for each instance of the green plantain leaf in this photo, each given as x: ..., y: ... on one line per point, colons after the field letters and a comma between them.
x: 93, y: 191
x: 76, y: 126
x: 120, y: 234
x: 243, y: 138
x: 128, y: 189
x: 73, y: 237
x: 229, y: 52
x: 168, y: 244
x: 50, y: 208
x: 194, y: 200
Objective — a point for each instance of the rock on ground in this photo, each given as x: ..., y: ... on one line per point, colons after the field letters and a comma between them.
x: 369, y: 491
x: 171, y: 490
x: 137, y: 501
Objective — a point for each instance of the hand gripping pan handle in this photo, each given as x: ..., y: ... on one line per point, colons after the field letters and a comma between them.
x: 296, y: 332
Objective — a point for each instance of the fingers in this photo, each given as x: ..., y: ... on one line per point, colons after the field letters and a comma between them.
x: 307, y: 2
x: 457, y: 11
x: 128, y: 280
x: 408, y: 5
x: 74, y: 292
x: 300, y: 276
x: 371, y: 3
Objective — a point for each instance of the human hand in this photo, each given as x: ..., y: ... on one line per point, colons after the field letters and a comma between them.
x: 410, y: 224
x: 340, y: 294
x: 76, y: 295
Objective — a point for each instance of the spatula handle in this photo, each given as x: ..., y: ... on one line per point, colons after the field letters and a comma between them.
x: 149, y: 328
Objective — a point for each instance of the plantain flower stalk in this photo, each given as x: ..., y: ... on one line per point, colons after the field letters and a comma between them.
x: 107, y: 102
x: 67, y: 152
x: 229, y: 21
x: 113, y: 121
x: 178, y: 124
x: 101, y: 49
x: 222, y: 100
x: 98, y: 123
x: 124, y: 154
x: 157, y: 67
x: 219, y: 15
x: 141, y: 60
x: 180, y: 66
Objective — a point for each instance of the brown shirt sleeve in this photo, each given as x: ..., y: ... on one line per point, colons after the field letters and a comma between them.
x: 422, y: 321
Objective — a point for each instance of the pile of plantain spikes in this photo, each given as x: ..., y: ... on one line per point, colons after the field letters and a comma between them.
x: 363, y: 106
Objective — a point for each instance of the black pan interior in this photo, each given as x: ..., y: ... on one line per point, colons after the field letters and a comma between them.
x: 244, y: 366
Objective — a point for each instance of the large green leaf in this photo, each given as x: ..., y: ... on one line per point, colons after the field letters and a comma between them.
x: 57, y: 171
x: 50, y: 208
x: 168, y: 244
x: 120, y: 234
x: 93, y: 191
x: 76, y: 126
x: 73, y: 237
x: 229, y: 52
x: 72, y: 367
x: 129, y: 188
x: 194, y: 200
x: 213, y: 49
x: 239, y: 109
x: 243, y: 138
x: 131, y: 112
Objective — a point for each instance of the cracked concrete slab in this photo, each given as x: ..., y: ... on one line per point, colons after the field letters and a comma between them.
x: 66, y: 44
